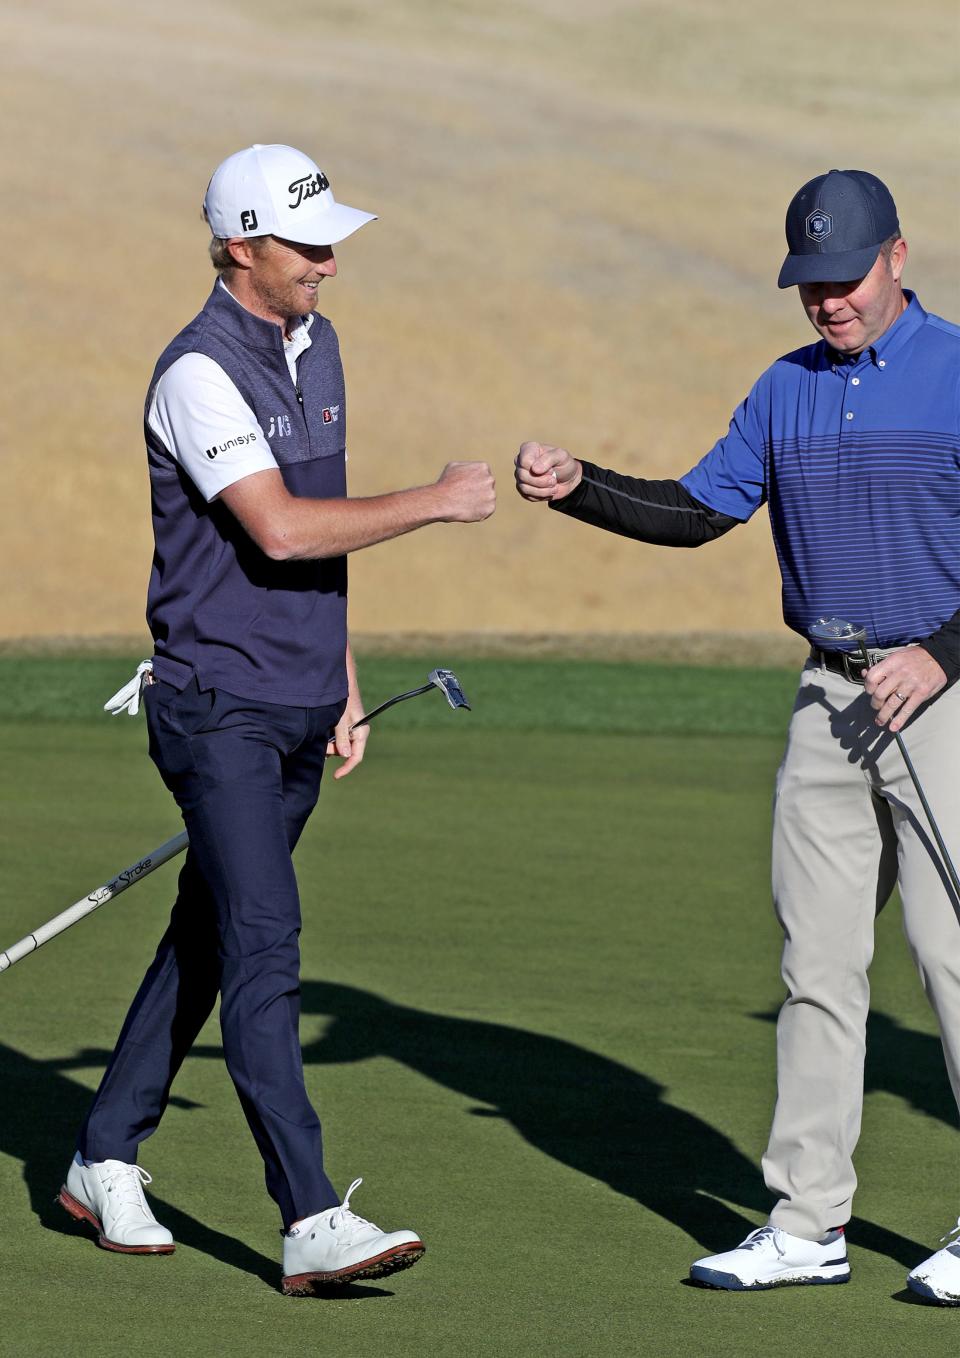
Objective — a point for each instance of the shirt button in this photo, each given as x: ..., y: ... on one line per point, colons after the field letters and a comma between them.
x: 881, y: 363
x: 855, y: 381
x: 849, y: 414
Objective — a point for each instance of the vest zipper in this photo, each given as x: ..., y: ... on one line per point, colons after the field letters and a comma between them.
x: 303, y: 412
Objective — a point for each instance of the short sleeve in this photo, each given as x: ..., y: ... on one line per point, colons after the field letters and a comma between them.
x: 207, y: 427
x: 731, y: 479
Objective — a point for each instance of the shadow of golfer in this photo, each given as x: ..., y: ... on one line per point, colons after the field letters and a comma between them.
x: 910, y: 1065
x: 584, y: 1110
x: 42, y: 1110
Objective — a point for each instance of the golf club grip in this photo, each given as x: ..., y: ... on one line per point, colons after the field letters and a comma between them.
x: 87, y: 904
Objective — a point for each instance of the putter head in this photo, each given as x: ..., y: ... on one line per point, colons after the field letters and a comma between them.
x: 449, y: 685
x: 835, y: 633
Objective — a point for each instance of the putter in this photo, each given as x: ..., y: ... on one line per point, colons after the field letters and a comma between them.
x: 825, y: 633
x: 445, y: 680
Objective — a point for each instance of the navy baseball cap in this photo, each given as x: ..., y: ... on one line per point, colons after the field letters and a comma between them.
x: 835, y: 227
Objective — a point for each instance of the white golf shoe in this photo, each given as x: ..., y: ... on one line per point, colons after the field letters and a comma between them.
x: 109, y: 1197
x: 337, y: 1246
x: 770, y: 1257
x: 938, y: 1278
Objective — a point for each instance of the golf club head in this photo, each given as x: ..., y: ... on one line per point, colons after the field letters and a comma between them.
x: 449, y: 685
x: 835, y: 633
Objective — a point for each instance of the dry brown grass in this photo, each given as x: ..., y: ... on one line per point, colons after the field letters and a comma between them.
x: 581, y: 213
x: 746, y: 649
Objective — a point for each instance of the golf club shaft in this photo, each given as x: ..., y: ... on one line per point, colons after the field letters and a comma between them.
x: 399, y: 698
x: 128, y: 877
x: 143, y: 867
x: 944, y: 851
x: 135, y: 873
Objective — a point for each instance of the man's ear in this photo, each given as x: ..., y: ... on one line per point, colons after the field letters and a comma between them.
x: 241, y: 251
x: 898, y: 257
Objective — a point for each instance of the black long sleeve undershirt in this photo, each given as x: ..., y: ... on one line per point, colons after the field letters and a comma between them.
x: 661, y: 512
x: 944, y: 646
x: 665, y: 513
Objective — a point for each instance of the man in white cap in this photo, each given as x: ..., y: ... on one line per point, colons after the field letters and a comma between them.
x: 252, y: 685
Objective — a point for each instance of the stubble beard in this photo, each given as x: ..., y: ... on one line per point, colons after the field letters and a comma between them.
x: 282, y: 302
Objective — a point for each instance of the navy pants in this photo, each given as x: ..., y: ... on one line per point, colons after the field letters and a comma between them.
x: 246, y: 776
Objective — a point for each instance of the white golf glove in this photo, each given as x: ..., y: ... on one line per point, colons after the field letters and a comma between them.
x: 127, y: 699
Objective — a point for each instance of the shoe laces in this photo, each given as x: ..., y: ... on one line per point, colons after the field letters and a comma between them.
x: 127, y: 1182
x: 954, y: 1231
x: 345, y: 1216
x: 763, y: 1234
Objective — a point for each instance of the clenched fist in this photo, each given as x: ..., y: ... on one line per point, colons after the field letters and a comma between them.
x: 469, y: 492
x: 545, y: 472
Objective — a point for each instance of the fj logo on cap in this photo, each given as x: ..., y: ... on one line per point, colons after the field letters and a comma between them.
x: 819, y: 225
x: 248, y: 220
x: 307, y: 187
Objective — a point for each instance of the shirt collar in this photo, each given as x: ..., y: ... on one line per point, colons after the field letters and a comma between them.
x: 300, y: 337
x: 902, y: 331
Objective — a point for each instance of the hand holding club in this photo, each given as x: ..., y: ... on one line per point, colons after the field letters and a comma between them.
x: 899, y: 683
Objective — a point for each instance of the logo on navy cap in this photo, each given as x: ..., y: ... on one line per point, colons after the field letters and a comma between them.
x: 819, y: 225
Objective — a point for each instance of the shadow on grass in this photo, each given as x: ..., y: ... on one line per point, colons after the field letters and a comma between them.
x: 590, y: 1113
x: 42, y: 1110
x: 597, y: 1116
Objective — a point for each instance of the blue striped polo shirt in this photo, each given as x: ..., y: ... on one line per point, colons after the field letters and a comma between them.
x: 859, y: 463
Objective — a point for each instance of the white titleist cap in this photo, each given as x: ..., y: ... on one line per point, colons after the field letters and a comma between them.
x: 277, y: 191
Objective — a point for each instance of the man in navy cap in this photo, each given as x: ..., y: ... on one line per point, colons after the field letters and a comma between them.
x: 252, y: 686
x: 854, y: 445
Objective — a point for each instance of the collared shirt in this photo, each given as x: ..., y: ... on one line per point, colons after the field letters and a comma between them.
x: 859, y: 462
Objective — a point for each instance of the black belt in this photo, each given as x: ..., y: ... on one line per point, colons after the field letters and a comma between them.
x: 851, y: 664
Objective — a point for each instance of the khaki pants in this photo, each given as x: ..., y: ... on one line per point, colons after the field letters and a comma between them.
x: 847, y: 826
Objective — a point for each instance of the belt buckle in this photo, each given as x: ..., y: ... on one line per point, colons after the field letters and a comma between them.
x: 854, y: 665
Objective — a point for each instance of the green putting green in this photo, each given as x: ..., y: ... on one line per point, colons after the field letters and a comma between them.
x: 540, y: 978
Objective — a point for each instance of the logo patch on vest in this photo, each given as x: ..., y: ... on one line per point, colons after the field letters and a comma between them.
x: 819, y: 225
x: 279, y: 427
x: 330, y: 414
x: 239, y: 442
